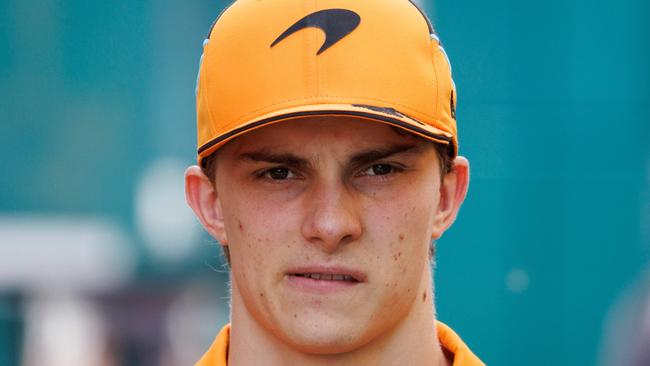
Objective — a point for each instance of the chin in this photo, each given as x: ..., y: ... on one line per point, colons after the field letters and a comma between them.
x: 325, y: 337
x: 325, y: 344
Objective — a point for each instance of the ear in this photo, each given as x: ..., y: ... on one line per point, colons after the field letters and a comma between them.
x: 203, y: 198
x: 452, y: 194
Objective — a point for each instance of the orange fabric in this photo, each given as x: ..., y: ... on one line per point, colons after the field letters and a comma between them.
x: 217, y: 355
x: 391, y: 61
x: 450, y: 341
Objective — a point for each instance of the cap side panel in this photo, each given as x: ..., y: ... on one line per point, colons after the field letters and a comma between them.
x: 205, y: 125
x: 205, y: 90
x: 203, y: 104
x: 434, y: 46
x: 447, y: 93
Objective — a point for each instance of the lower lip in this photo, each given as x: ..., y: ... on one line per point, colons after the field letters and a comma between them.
x: 319, y: 286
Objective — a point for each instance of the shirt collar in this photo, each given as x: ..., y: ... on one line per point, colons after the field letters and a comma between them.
x: 217, y: 355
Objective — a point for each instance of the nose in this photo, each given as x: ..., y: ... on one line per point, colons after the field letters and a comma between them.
x: 332, y: 217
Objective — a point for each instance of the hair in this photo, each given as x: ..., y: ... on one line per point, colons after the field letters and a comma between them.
x: 444, y: 152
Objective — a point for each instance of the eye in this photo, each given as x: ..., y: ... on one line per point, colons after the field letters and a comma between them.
x: 279, y: 173
x: 381, y: 169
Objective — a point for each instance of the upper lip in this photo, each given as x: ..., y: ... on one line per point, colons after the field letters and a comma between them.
x: 328, y: 270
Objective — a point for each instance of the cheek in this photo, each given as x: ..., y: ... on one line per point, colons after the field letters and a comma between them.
x: 254, y: 241
x: 259, y: 235
x: 405, y: 217
x: 256, y: 253
x: 401, y: 229
x: 251, y: 219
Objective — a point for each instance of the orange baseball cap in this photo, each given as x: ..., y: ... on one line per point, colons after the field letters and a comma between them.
x: 270, y: 61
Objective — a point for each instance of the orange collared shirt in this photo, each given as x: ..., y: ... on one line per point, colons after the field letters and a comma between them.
x: 217, y: 355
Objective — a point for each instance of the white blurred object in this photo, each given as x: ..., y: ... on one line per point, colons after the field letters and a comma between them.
x: 517, y: 280
x: 64, y: 330
x: 63, y: 252
x: 193, y: 321
x: 166, y: 223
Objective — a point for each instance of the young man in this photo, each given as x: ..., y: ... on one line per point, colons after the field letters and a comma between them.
x: 327, y: 166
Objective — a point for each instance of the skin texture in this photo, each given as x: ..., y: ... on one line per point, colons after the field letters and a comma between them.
x: 330, y: 192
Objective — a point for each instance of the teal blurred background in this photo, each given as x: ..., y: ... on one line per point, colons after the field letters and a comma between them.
x: 97, y: 125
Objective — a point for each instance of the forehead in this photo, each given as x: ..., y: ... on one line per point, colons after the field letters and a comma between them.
x: 312, y: 134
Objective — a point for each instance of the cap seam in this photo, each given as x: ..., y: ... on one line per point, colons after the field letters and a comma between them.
x: 311, y: 68
x: 436, y: 83
x: 316, y: 59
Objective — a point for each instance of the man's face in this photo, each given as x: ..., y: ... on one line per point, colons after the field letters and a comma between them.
x: 329, y: 222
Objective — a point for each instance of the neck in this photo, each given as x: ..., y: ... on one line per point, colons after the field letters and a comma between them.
x: 412, y: 341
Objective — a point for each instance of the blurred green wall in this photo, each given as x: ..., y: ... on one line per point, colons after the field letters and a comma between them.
x: 553, y: 113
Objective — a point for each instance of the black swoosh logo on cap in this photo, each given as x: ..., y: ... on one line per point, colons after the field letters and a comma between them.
x: 336, y: 23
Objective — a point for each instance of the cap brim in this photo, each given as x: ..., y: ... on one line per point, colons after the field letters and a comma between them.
x: 388, y: 116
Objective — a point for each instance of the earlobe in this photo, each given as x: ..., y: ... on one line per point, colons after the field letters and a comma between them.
x: 202, y: 196
x: 452, y: 194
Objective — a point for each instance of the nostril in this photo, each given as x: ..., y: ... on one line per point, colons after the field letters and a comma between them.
x: 347, y: 239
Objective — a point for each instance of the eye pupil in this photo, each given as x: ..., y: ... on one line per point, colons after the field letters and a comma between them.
x: 279, y: 173
x: 381, y: 169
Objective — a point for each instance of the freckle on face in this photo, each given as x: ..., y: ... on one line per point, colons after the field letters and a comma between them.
x: 271, y: 244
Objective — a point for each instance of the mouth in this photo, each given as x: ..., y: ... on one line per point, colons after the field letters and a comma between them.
x: 324, y: 279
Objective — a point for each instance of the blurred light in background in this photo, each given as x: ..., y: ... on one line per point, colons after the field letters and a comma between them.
x: 66, y: 329
x: 63, y: 253
x: 165, y: 221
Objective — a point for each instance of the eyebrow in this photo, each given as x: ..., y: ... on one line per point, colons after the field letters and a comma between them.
x: 369, y: 156
x: 287, y: 159
x: 360, y: 158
